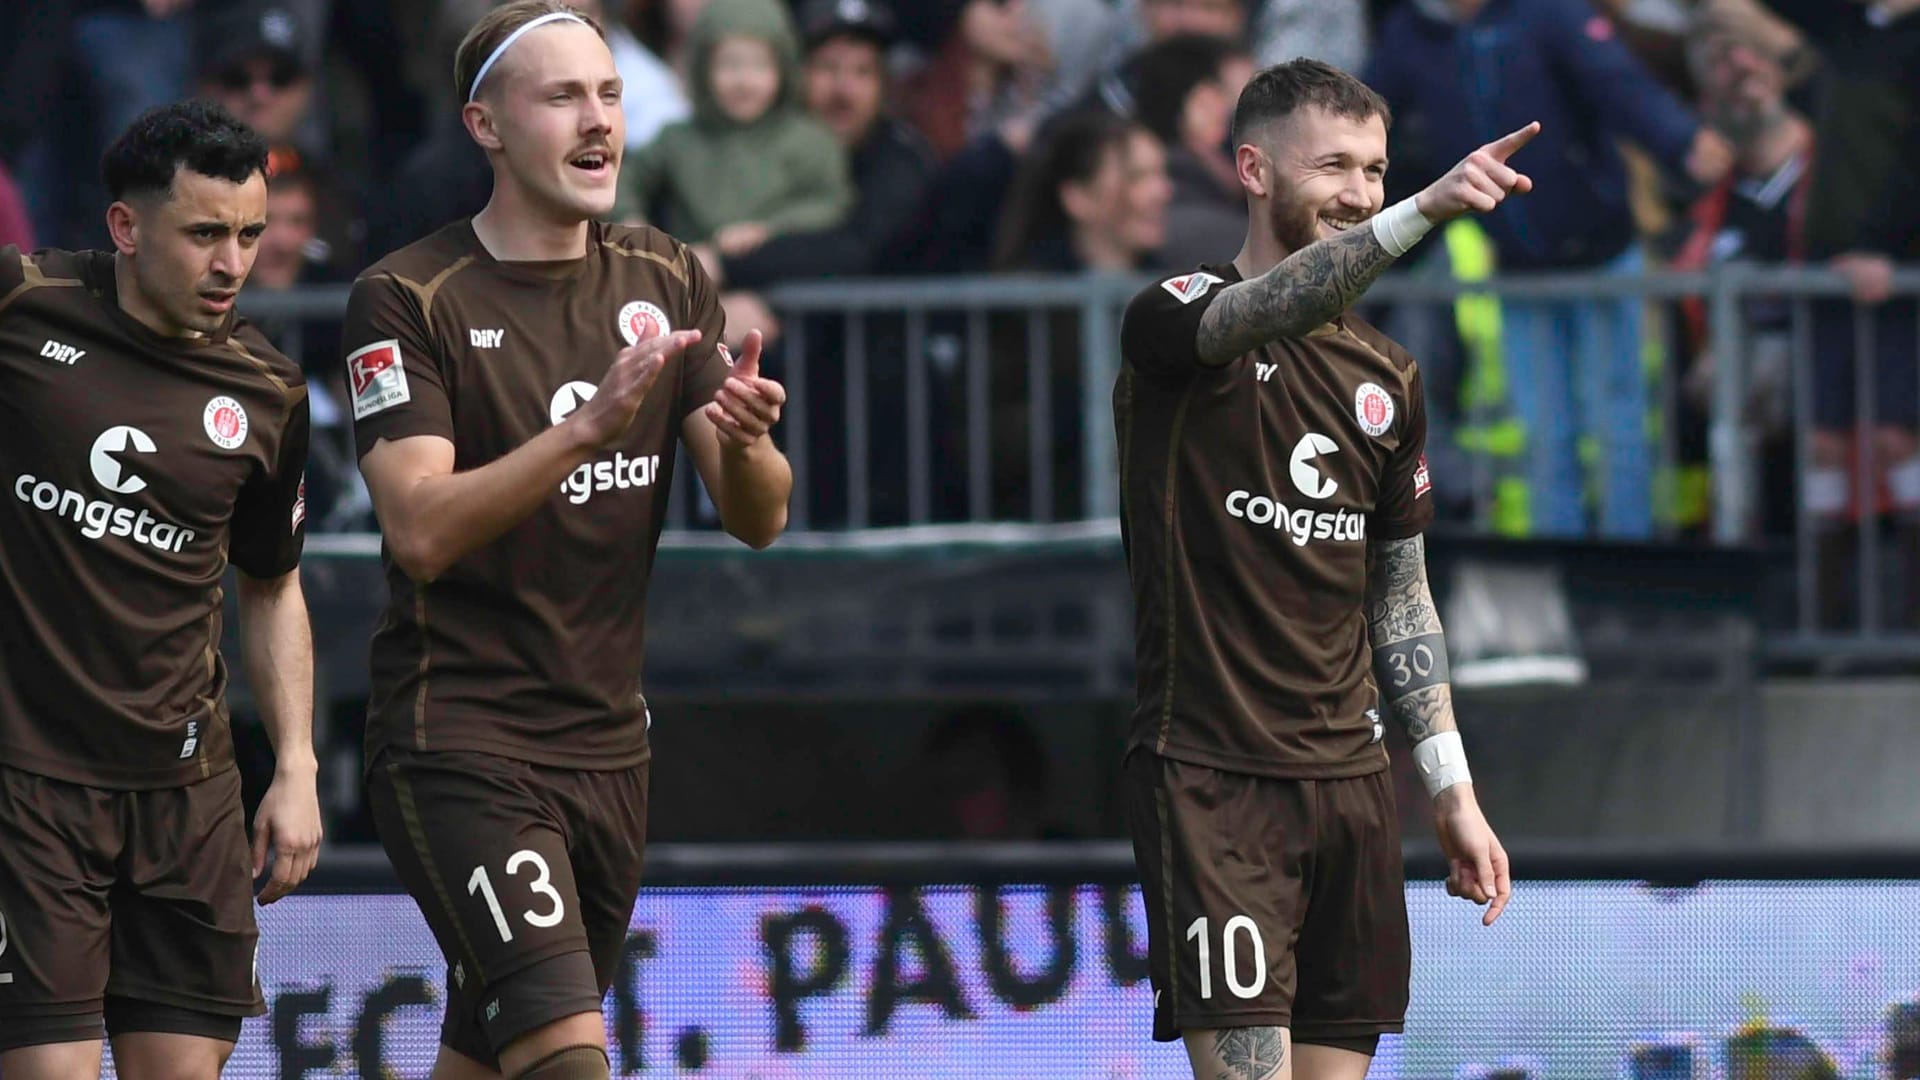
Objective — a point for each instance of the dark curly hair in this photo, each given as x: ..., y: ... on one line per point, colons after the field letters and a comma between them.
x: 196, y: 135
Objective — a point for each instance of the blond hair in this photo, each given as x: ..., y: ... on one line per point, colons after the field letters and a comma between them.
x: 495, y: 27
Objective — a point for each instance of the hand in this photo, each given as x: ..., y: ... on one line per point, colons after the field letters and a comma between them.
x: 1477, y: 864
x: 1710, y: 157
x: 1480, y: 182
x: 288, y: 824
x: 605, y: 418
x: 747, y: 406
x: 746, y: 311
x: 738, y: 239
x: 1870, y: 274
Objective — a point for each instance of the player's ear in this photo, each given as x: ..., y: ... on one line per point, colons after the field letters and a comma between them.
x: 1255, y: 169
x: 123, y: 224
x: 478, y: 117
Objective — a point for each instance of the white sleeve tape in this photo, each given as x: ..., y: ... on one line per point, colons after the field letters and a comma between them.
x: 1400, y: 226
x: 1442, y: 761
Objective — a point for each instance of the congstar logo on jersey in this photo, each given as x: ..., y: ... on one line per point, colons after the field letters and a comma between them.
x: 618, y: 473
x: 111, y: 460
x: 1303, y: 524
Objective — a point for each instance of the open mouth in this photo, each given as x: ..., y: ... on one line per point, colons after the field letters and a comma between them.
x: 218, y: 299
x: 1340, y: 224
x: 593, y: 162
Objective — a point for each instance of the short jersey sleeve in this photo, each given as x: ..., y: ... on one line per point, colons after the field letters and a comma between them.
x: 1405, y: 506
x: 394, y: 378
x: 707, y: 362
x: 1158, y: 334
x: 270, y: 516
x: 13, y: 274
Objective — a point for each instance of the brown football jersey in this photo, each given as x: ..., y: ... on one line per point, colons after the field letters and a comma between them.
x: 1249, y: 493
x: 530, y: 647
x: 137, y: 466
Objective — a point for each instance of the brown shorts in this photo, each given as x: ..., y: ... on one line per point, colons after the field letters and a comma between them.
x: 119, y: 909
x: 526, y: 875
x: 1270, y: 903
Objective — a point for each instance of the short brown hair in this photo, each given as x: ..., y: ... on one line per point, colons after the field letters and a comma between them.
x: 495, y: 27
x: 1279, y: 91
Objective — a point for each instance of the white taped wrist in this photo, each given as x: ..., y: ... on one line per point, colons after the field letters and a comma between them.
x: 1442, y: 761
x: 1400, y: 226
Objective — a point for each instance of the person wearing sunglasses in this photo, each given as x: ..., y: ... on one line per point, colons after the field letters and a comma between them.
x: 253, y: 61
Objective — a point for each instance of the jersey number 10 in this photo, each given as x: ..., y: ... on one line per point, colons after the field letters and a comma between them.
x: 1230, y: 957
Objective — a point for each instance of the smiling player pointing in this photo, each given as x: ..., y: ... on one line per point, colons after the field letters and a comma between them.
x: 1274, y: 489
x: 521, y: 484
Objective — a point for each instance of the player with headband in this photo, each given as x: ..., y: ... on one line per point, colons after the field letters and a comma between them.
x: 521, y: 484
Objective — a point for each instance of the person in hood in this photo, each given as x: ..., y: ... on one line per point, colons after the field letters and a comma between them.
x: 750, y: 164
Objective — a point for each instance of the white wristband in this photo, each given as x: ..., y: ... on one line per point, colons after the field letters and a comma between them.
x: 1400, y: 226
x: 1442, y: 761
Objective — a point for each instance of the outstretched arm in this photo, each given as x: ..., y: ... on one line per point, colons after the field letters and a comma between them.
x: 1324, y: 278
x: 1410, y: 665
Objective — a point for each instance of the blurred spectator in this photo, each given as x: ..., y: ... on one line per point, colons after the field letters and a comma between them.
x: 846, y: 89
x: 1757, y: 214
x: 16, y: 229
x: 751, y: 164
x: 1863, y: 216
x: 998, y: 66
x: 1334, y: 31
x: 447, y: 177
x: 1461, y: 73
x: 1143, y: 22
x: 1274, y: 31
x: 293, y: 254
x: 252, y: 58
x: 664, y: 27
x: 650, y: 93
x: 1093, y: 196
x: 1184, y: 90
x: 985, y: 778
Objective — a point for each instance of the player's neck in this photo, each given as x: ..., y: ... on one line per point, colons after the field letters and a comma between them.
x: 1260, y: 252
x: 513, y: 231
x: 126, y: 293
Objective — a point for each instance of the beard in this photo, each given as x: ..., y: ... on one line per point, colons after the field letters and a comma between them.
x: 1293, y: 223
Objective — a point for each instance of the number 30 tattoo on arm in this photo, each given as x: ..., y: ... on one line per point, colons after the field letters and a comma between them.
x: 1409, y: 649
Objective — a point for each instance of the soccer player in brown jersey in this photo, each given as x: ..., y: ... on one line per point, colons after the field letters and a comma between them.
x: 1274, y: 490
x: 150, y: 439
x: 521, y: 483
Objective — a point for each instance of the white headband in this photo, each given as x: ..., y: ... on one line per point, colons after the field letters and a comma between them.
x: 556, y: 16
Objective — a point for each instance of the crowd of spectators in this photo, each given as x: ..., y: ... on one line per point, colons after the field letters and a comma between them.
x: 851, y: 138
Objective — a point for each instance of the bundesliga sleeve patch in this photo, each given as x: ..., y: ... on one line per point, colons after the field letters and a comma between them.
x: 299, y: 505
x: 1190, y: 287
x: 1422, y: 480
x: 378, y: 378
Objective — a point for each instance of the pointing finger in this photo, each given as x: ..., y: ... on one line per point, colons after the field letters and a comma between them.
x: 1507, y: 144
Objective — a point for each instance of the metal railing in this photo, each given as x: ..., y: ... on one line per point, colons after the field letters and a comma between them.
x: 969, y: 406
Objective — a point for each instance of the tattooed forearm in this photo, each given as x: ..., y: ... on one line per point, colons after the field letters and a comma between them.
x: 1303, y: 291
x: 1409, y: 650
x: 1399, y: 603
x: 1249, y: 1053
x: 1425, y: 712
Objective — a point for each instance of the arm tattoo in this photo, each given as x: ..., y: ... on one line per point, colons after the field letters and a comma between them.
x: 1303, y: 291
x: 1254, y: 1053
x: 1403, y: 622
